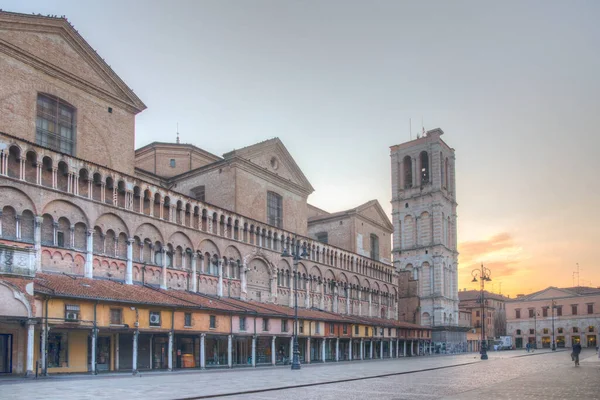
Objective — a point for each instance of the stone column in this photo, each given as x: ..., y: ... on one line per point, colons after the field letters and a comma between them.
x: 370, y: 303
x: 30, y: 344
x: 371, y: 349
x: 350, y: 351
x: 89, y: 257
x: 55, y: 180
x: 359, y: 302
x: 273, y: 287
x: 291, y: 348
x: 194, y: 274
x: 244, y: 287
x: 18, y: 226
x: 37, y: 242
x: 412, y: 348
x: 322, y: 301
x: 348, y: 301
x: 93, y: 352
x: 323, y: 343
x: 273, y: 358
x: 254, y: 351
x: 307, y: 293
x: 170, y: 350
x: 335, y: 298
x: 404, y: 350
x: 397, y: 348
x: 229, y: 351
x: 220, y: 284
x: 307, y: 350
x: 117, y: 351
x: 163, y: 279
x: 202, y: 351
x: 381, y: 349
x: 337, y: 349
x: 361, y: 349
x: 129, y: 270
x: 135, y: 352
x: 44, y: 353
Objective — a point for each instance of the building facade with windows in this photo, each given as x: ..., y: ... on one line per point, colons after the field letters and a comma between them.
x: 493, y: 313
x: 565, y: 315
x: 78, y: 201
x: 424, y: 220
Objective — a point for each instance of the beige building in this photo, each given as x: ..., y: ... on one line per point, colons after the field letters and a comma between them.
x: 81, y: 201
x: 567, y: 316
x: 493, y: 314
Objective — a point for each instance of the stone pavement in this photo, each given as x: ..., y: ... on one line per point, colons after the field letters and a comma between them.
x: 461, y: 376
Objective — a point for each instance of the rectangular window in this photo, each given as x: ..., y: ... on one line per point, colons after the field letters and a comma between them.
x: 187, y: 319
x: 380, y: 331
x: 356, y: 329
x: 55, y: 124
x: 477, y: 314
x: 265, y: 324
x: 389, y: 331
x: 172, y: 163
x: 60, y: 239
x: 545, y: 311
x: 300, y: 326
x: 199, y: 193
x: 590, y: 308
x: 284, y: 325
x: 531, y: 313
x: 331, y: 328
x: 575, y: 329
x: 345, y: 329
x: 517, y: 314
x: 322, y: 237
x: 242, y: 323
x: 366, y: 331
x: 560, y: 330
x: 58, y: 350
x: 574, y: 309
x: 274, y: 209
x: 374, y: 247
x: 317, y: 327
x: 213, y: 322
x: 116, y: 316
x: 531, y: 331
x: 72, y: 312
x: 154, y: 318
x: 559, y: 311
x: 518, y: 331
x: 546, y: 330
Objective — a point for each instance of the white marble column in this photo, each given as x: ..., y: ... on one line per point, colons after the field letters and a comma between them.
x: 170, y: 350
x: 163, y: 278
x: 93, y: 352
x: 135, y: 352
x: 30, y: 344
x: 273, y: 354
x: 229, y: 351
x: 202, y: 351
x: 194, y: 273
x: 220, y: 284
x: 362, y: 349
x: 323, y: 343
x: 371, y: 349
x: 89, y: 256
x: 404, y: 351
x: 350, y: 351
x: 129, y: 270
x: 337, y: 349
x: 254, y: 351
x: 381, y: 349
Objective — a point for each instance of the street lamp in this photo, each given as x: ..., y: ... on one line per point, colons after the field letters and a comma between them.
x: 296, y: 256
x: 484, y: 276
x: 553, y: 341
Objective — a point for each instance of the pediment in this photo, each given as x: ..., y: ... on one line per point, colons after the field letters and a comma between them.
x: 373, y: 211
x: 272, y: 156
x: 551, y: 293
x: 53, y: 46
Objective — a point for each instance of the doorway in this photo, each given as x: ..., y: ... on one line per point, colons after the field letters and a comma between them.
x: 5, y: 353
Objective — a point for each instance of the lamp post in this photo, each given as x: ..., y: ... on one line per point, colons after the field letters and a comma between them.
x: 553, y: 341
x: 296, y: 256
x: 484, y: 276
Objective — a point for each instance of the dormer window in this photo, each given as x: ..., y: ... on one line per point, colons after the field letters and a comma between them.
x: 55, y: 124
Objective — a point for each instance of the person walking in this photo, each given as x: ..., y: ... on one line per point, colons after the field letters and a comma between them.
x: 575, y: 353
x: 527, y: 347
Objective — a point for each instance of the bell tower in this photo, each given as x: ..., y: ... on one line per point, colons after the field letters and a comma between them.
x: 424, y: 219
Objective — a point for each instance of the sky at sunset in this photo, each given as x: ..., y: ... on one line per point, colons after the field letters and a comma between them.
x: 515, y: 86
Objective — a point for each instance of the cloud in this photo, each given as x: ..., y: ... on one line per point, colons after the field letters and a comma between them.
x: 500, y: 253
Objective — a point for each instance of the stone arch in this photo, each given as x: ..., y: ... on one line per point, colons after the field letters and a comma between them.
x: 426, y: 319
x: 13, y: 302
x: 208, y: 246
x: 149, y: 231
x: 16, y: 199
x: 63, y: 208
x: 409, y: 231
x: 112, y: 221
x: 181, y: 239
x: 259, y: 279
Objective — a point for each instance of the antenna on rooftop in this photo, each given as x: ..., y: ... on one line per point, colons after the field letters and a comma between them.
x: 178, y: 133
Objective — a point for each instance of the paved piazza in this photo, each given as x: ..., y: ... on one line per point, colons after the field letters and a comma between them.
x: 506, y: 375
